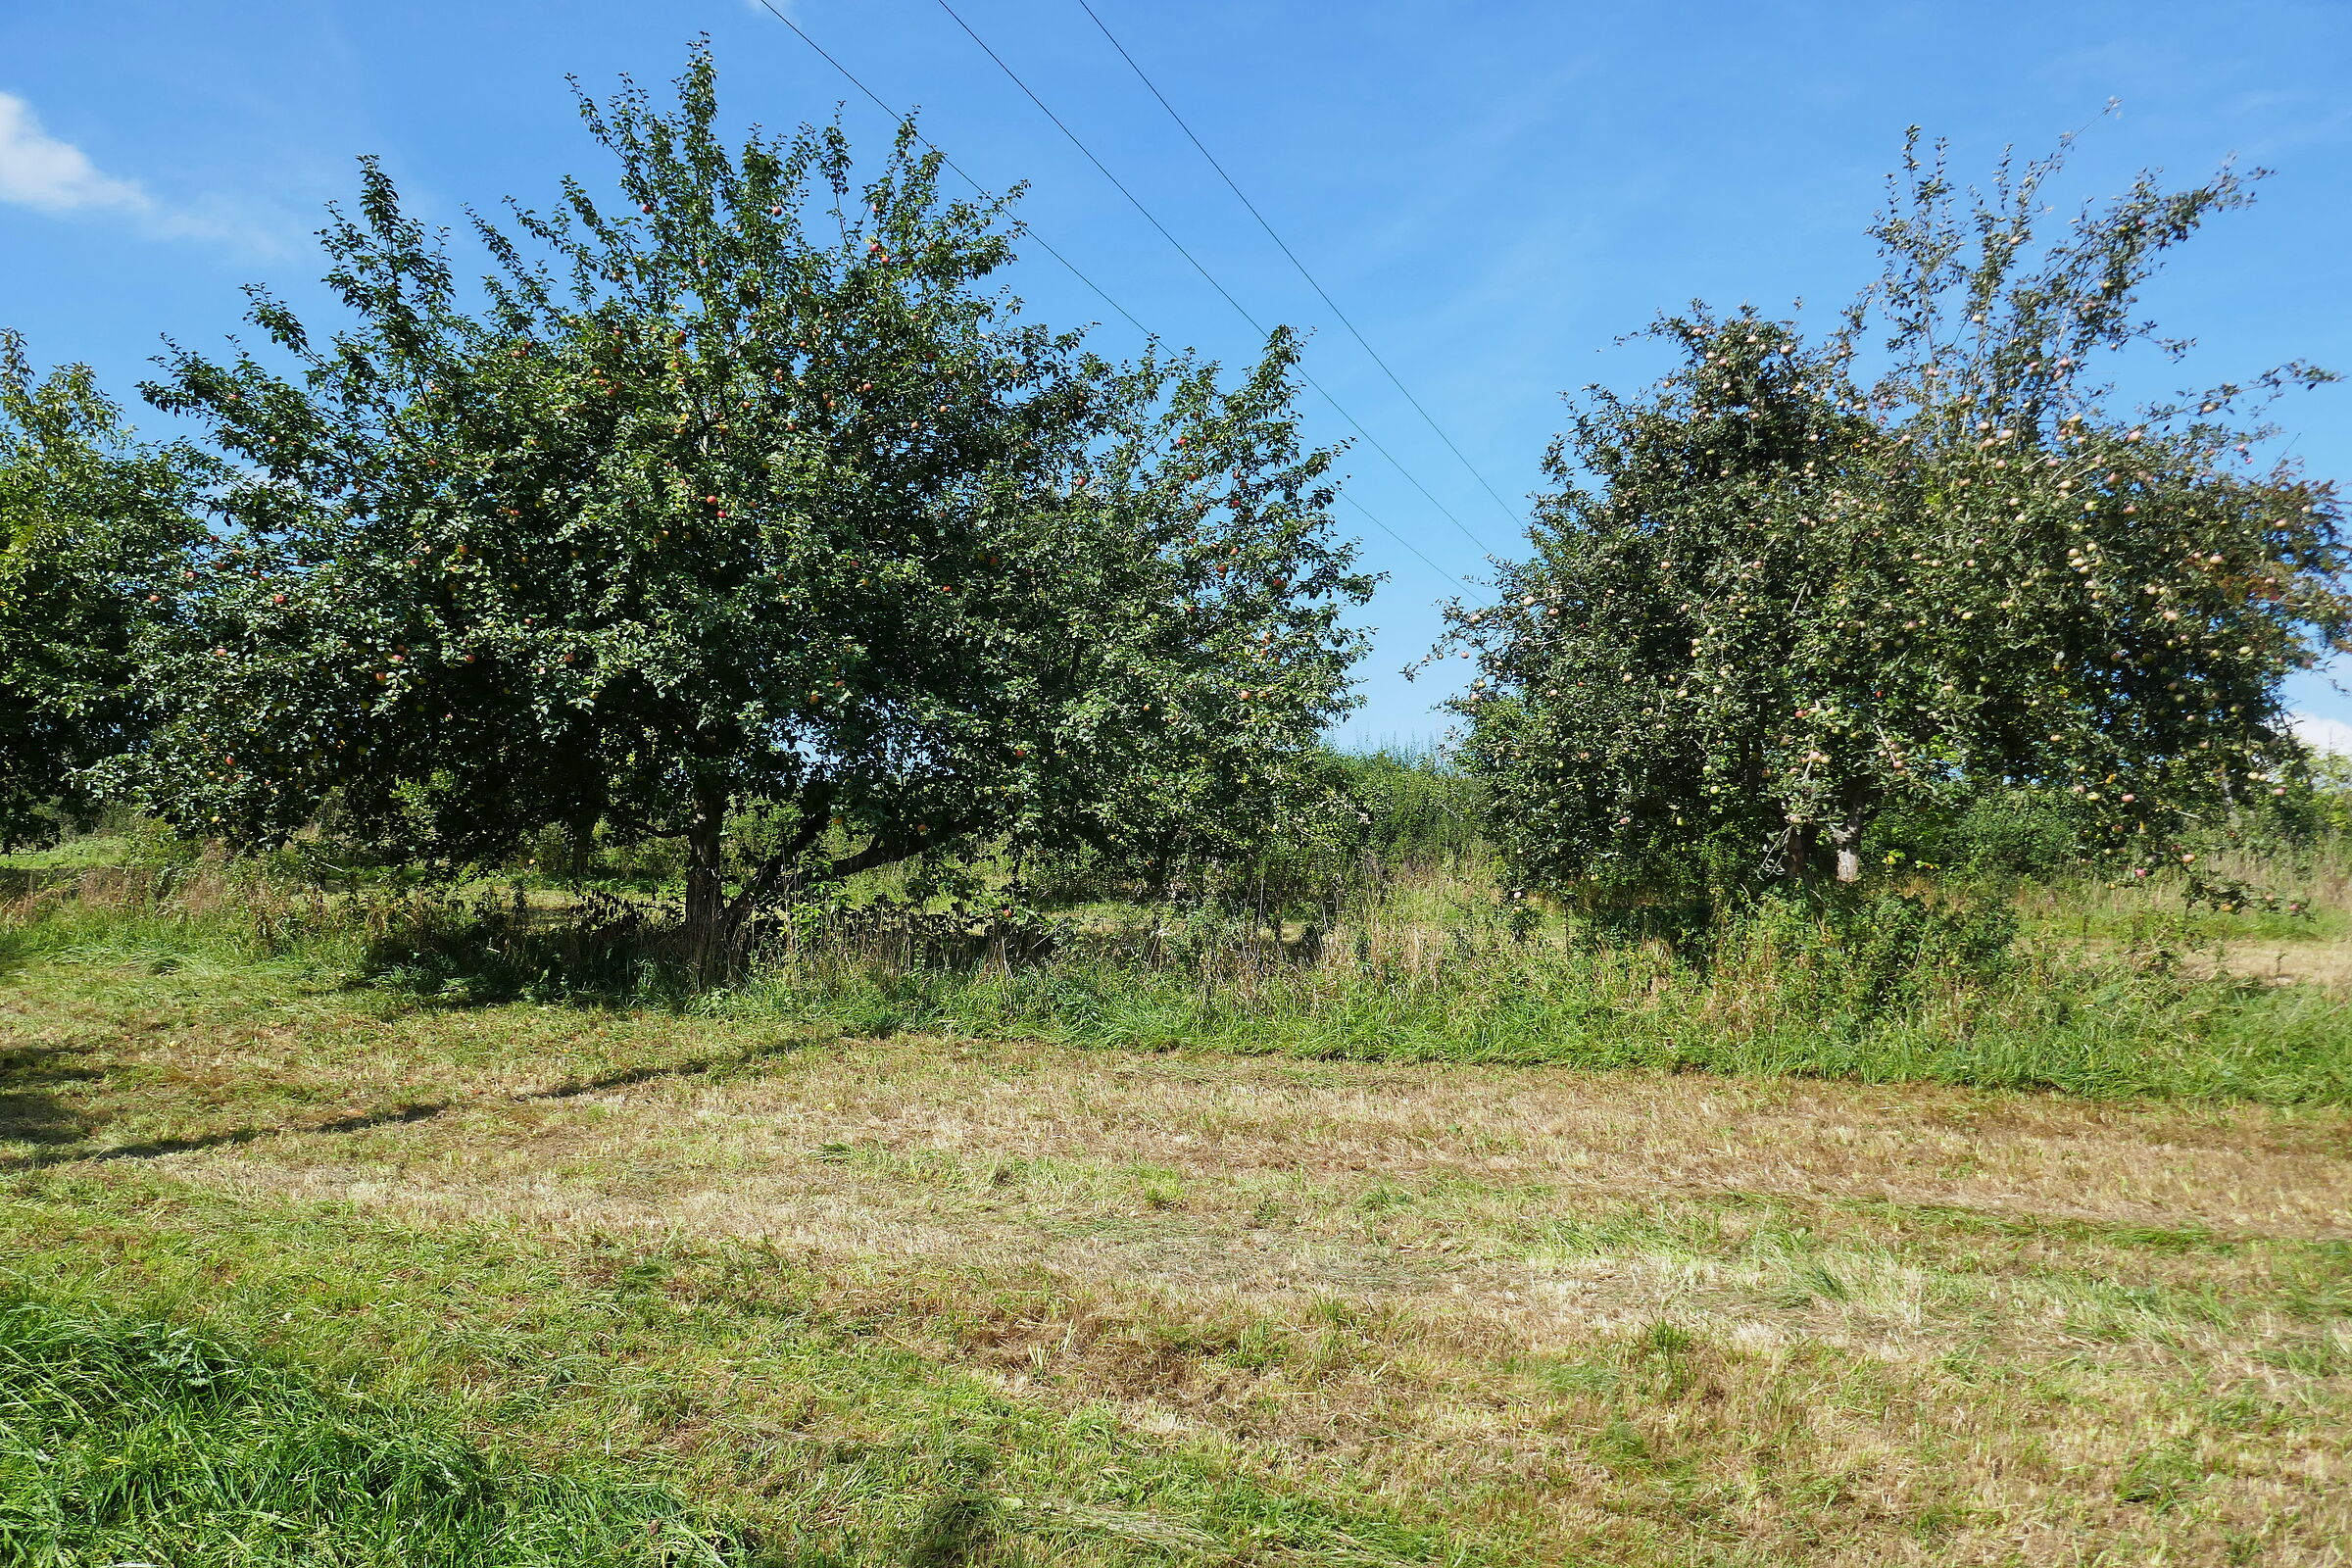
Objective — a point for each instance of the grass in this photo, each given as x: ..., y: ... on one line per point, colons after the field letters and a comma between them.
x: 2114, y: 997
x: 1436, y: 1251
x: 132, y: 1437
x: 2086, y: 1029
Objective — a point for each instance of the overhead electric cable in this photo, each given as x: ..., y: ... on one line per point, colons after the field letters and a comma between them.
x: 1283, y: 245
x: 1227, y: 294
x: 1402, y: 540
x: 1100, y: 291
x: 875, y: 98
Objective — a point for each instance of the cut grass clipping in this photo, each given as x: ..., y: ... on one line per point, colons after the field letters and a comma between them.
x: 127, y: 1438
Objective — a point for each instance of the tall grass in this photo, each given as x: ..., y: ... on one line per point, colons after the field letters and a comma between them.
x: 128, y: 1439
x: 2104, y: 995
x: 1884, y: 990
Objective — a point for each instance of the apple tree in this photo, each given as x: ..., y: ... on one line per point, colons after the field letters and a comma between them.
x: 1775, y: 596
x: 734, y: 508
x: 90, y: 523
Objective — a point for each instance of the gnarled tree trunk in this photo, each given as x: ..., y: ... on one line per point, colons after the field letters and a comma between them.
x: 1846, y: 839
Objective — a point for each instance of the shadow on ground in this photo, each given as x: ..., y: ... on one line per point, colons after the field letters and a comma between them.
x: 31, y: 1116
x: 30, y: 1109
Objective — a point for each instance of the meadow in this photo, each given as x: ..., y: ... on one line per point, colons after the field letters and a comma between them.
x: 413, y: 1226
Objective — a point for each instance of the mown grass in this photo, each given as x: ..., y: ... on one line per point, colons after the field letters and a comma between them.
x: 926, y: 1302
x: 707, y: 1370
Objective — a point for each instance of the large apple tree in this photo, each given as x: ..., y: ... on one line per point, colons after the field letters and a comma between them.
x: 737, y: 510
x: 1774, y: 597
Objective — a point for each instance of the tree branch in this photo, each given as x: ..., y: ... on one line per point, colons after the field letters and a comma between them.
x: 881, y: 853
x: 763, y: 883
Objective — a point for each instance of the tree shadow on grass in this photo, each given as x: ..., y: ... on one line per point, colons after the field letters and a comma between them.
x: 959, y: 1526
x: 70, y: 1144
x: 18, y: 949
x: 610, y: 953
x: 955, y: 1530
x: 30, y: 1109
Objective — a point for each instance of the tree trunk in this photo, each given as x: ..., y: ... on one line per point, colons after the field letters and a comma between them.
x: 706, y: 934
x: 1797, y: 859
x: 715, y: 924
x: 1845, y: 836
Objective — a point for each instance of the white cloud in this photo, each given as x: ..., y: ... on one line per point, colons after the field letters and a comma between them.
x: 36, y: 170
x: 2322, y: 734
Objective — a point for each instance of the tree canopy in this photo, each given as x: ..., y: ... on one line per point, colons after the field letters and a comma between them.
x: 1795, y: 584
x: 739, y: 507
x: 89, y: 520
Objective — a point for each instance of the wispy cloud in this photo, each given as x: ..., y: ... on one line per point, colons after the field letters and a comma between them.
x: 52, y: 175
x: 38, y: 170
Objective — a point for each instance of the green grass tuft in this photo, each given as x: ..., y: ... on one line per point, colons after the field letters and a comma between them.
x: 128, y: 1439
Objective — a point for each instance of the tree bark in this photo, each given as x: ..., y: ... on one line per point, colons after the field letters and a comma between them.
x: 1797, y: 859
x: 1845, y: 836
x: 716, y: 924
x: 881, y: 853
x: 707, y: 923
x: 1846, y: 839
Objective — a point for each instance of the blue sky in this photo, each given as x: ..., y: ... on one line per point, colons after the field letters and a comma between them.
x: 1494, y: 192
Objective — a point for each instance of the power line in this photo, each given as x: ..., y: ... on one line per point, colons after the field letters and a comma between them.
x: 874, y: 97
x: 1402, y: 540
x: 1100, y: 291
x: 1284, y: 246
x: 1152, y: 219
